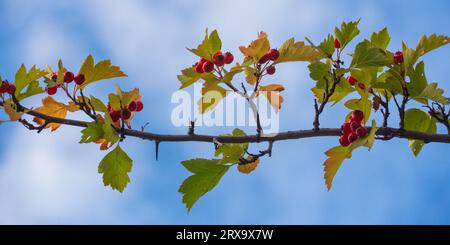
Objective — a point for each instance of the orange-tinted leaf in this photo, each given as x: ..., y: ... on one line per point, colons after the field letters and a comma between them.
x: 12, y: 113
x: 53, y: 108
x: 249, y: 167
x: 272, y: 93
x: 257, y: 48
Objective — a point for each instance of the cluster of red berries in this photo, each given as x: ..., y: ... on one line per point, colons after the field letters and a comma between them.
x: 125, y: 113
x: 7, y: 87
x: 68, y: 78
x: 219, y: 59
x: 398, y: 57
x: 352, y: 81
x: 352, y: 130
x: 271, y: 55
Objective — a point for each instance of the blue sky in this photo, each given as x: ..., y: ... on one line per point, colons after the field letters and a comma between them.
x: 50, y: 179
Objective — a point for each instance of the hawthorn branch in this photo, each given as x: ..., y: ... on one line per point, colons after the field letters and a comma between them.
x: 287, y: 135
x: 326, y: 96
x: 438, y: 111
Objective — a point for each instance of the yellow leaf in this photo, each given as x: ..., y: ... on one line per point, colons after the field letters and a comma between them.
x: 257, y: 48
x: 297, y: 51
x: 248, y: 167
x: 102, y: 70
x: 72, y: 107
x: 12, y: 113
x: 212, y: 94
x: 250, y: 75
x: 53, y: 108
x: 336, y: 156
x: 127, y: 97
x: 272, y: 93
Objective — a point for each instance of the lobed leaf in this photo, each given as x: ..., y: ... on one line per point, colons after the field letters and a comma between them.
x: 100, y: 71
x: 427, y: 125
x: 206, y: 174
x: 115, y: 167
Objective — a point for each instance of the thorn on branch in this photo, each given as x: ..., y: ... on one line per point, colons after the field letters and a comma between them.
x: 144, y: 126
x: 191, y: 127
x: 156, y: 149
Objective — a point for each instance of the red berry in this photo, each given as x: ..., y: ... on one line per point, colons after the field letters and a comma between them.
x: 354, y: 126
x: 115, y: 115
x: 362, y: 86
x: 126, y: 114
x: 68, y: 77
x: 208, y: 67
x: 361, y: 131
x: 273, y: 54
x: 352, y: 137
x: 346, y: 129
x: 337, y: 44
x: 3, y: 88
x: 351, y: 80
x: 228, y: 58
x: 202, y: 60
x: 51, y: 90
x: 219, y: 59
x: 357, y: 116
x: 398, y: 57
x: 79, y: 79
x: 270, y: 70
x: 343, y: 140
x: 11, y: 88
x: 139, y: 105
x: 132, y: 106
x: 199, y: 67
x: 263, y: 59
x: 54, y: 77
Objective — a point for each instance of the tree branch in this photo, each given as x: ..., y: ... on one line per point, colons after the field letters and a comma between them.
x: 287, y: 135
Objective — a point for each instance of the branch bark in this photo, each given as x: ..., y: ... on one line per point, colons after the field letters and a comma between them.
x: 287, y: 135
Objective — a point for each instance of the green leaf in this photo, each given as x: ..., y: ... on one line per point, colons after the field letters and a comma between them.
x: 189, y: 76
x: 429, y: 43
x: 215, y: 44
x: 24, y: 78
x: 343, y: 88
x: 109, y: 133
x: 32, y: 89
x: 100, y: 71
x: 326, y: 47
x: 363, y: 104
x: 115, y: 167
x: 365, y: 55
x: 232, y: 152
x: 318, y: 71
x: 418, y: 81
x: 209, y: 46
x: 420, y: 121
x: 296, y: 51
x: 391, y: 80
x: 433, y: 93
x: 229, y: 75
x: 206, y: 174
x: 380, y: 39
x: 91, y: 133
x: 347, y: 32
x: 98, y: 105
x: 114, y: 101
